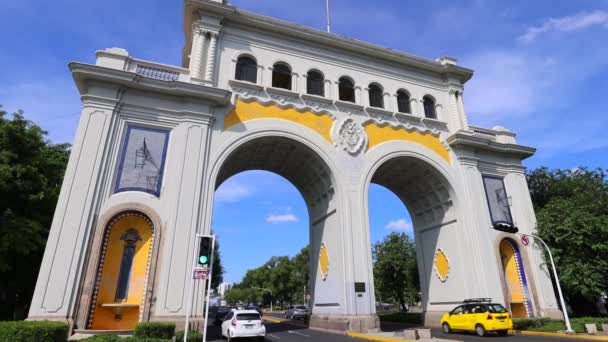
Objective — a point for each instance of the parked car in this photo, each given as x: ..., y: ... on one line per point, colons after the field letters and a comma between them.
x: 478, y: 315
x: 296, y: 312
x: 256, y: 308
x: 243, y: 323
x: 220, y: 315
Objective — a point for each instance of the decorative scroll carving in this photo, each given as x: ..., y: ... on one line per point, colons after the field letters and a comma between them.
x: 349, y: 135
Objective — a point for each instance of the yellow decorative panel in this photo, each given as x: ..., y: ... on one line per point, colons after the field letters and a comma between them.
x: 441, y: 265
x: 104, y: 317
x: 245, y: 111
x: 512, y: 278
x: 323, y: 261
x: 377, y: 135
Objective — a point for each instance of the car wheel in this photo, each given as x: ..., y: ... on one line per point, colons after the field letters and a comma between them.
x: 503, y: 332
x: 446, y: 328
x: 480, y: 330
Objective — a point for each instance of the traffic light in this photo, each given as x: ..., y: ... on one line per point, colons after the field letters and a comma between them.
x: 204, y: 251
x: 504, y: 227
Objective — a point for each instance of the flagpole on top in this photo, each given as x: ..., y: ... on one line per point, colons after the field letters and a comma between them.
x: 328, y: 17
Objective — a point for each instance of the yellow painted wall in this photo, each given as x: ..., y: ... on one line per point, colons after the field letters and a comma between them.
x: 103, y: 318
x: 249, y: 111
x: 509, y: 264
x: 377, y: 135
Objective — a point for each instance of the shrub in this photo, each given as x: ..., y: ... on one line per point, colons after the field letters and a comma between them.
x: 155, y: 330
x: 102, y: 338
x: 193, y: 336
x: 38, y: 331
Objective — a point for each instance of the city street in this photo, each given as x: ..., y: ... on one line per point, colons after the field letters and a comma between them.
x: 295, y: 331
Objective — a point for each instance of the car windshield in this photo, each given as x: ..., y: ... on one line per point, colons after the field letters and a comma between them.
x: 301, y: 307
x: 248, y: 317
x: 497, y: 308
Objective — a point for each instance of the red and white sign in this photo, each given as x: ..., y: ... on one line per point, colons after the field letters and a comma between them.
x: 201, y: 274
x: 525, y: 240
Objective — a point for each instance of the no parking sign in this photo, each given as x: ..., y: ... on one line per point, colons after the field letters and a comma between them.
x: 525, y: 240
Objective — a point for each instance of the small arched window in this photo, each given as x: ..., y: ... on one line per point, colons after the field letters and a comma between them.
x: 429, y: 107
x: 246, y: 69
x: 346, y: 90
x: 375, y: 96
x: 315, y: 83
x: 281, y: 76
x: 403, y: 102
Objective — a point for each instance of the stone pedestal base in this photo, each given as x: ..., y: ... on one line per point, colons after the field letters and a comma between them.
x: 431, y: 319
x: 360, y: 324
x: 553, y: 313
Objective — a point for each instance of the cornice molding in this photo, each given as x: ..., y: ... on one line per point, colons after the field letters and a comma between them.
x: 84, y: 73
x: 462, y: 138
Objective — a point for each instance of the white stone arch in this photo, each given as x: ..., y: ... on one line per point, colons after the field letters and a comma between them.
x: 391, y: 150
x: 247, y: 132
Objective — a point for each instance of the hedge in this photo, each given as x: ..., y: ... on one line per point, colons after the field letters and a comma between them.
x: 553, y: 325
x: 193, y: 336
x: 33, y: 331
x: 155, y: 330
x: 115, y: 338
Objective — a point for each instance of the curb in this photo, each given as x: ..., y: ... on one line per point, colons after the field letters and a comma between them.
x: 541, y: 333
x: 374, y: 338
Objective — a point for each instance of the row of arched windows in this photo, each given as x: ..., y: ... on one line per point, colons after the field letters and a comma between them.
x: 247, y: 70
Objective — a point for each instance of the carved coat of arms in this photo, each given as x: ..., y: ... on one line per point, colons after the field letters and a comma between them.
x: 349, y: 135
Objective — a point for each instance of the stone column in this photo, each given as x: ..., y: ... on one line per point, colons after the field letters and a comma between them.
x: 196, y: 53
x: 454, y: 111
x: 210, y: 65
x: 463, y: 115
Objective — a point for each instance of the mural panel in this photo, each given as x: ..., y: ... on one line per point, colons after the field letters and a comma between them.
x: 142, y: 160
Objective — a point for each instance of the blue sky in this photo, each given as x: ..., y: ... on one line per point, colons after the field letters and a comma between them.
x: 541, y: 70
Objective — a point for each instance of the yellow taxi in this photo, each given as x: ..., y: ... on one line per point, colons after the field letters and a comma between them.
x: 478, y: 315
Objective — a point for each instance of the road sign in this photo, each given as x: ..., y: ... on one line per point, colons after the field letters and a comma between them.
x: 525, y: 240
x: 201, y: 274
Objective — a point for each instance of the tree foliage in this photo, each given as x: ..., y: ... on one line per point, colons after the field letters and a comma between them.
x: 572, y: 212
x: 31, y: 173
x: 286, y: 277
x: 395, y: 269
x: 217, y: 271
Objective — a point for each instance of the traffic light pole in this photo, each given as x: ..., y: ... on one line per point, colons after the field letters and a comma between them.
x: 208, y: 288
x: 197, y: 241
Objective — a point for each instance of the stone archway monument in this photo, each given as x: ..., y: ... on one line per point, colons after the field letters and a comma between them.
x: 155, y: 141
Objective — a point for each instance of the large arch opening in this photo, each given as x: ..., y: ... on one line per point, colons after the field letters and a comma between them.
x: 427, y: 196
x: 306, y: 170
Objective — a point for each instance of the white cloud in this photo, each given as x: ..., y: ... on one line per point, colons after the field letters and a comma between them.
x: 400, y: 225
x: 232, y: 191
x: 567, y: 24
x: 276, y: 219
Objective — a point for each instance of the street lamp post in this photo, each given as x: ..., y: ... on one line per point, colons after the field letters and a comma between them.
x: 559, y: 288
x: 261, y: 288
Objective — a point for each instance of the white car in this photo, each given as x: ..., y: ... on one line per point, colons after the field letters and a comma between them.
x: 243, y: 323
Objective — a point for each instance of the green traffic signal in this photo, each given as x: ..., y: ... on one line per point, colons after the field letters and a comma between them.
x: 203, y: 259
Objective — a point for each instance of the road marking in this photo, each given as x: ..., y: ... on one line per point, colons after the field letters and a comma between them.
x: 298, y: 333
x: 273, y: 336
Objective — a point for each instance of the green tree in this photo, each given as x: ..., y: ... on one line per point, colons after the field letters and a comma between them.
x: 395, y: 269
x: 217, y: 271
x: 572, y: 217
x: 31, y: 173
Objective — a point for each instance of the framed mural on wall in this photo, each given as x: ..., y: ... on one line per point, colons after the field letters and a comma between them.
x: 142, y: 160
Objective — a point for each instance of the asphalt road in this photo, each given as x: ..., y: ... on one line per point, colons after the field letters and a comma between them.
x: 295, y: 331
